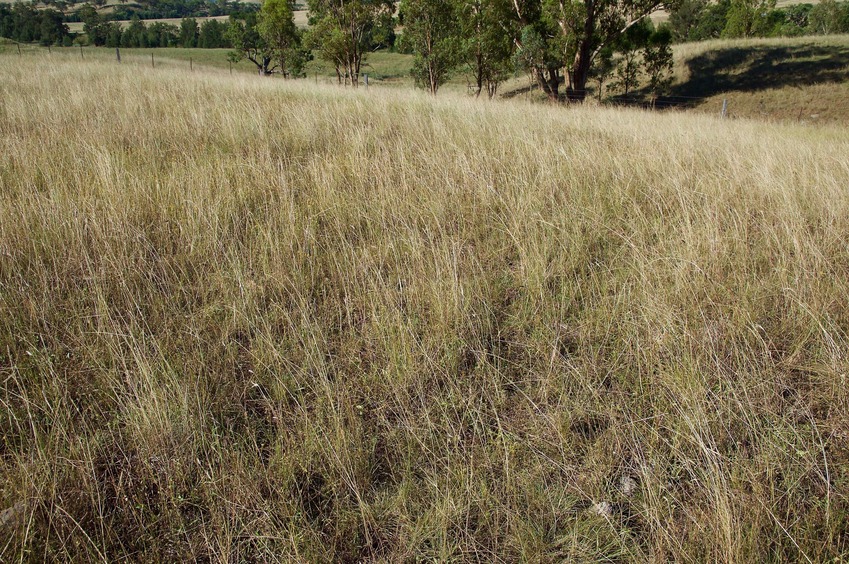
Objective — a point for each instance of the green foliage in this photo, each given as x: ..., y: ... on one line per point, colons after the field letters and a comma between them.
x: 113, y: 34
x: 344, y: 31
x: 212, y: 35
x: 276, y: 26
x: 749, y: 18
x: 135, y: 35
x: 432, y: 35
x: 485, y: 47
x: 630, y: 44
x: 24, y: 23
x: 248, y: 43
x: 686, y: 18
x: 657, y: 59
x: 161, y: 34
x: 697, y: 20
x: 189, y: 32
x: 328, y: 41
x: 603, y: 69
x: 714, y: 21
x: 156, y: 9
x: 829, y: 16
x: 541, y: 55
x: 570, y: 35
x: 52, y: 29
x: 791, y: 21
x: 628, y: 71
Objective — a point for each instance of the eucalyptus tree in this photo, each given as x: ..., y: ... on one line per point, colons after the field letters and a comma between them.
x: 567, y: 35
x: 432, y: 33
x: 344, y: 31
x: 276, y: 26
x: 249, y: 44
x: 486, y: 42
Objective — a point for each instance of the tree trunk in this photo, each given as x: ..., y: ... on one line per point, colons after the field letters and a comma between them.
x: 433, y: 83
x: 549, y: 82
x: 576, y: 90
x: 478, y: 73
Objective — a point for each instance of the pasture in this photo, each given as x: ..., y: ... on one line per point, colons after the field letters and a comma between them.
x: 252, y: 319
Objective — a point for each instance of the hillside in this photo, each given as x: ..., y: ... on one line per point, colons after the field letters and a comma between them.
x: 245, y: 319
x: 800, y: 79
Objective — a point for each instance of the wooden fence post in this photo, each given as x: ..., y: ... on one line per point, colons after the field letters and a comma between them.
x: 724, y: 108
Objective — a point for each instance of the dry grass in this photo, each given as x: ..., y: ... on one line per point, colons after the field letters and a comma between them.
x: 253, y: 320
x: 802, y: 79
x: 301, y: 20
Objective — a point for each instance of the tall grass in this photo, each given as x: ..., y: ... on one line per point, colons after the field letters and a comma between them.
x: 251, y: 320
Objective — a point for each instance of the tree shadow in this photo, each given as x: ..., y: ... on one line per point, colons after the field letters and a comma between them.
x: 750, y: 69
x: 764, y: 67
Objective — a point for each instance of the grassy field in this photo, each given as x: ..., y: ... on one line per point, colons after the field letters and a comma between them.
x: 803, y: 79
x: 300, y: 20
x: 383, y: 67
x: 245, y: 319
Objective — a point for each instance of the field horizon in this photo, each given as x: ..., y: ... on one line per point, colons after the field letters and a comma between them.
x: 245, y: 319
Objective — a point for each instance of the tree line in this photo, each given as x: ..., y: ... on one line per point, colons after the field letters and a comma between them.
x: 211, y: 34
x: 26, y: 24
x: 698, y: 20
x: 557, y: 44
x: 562, y: 44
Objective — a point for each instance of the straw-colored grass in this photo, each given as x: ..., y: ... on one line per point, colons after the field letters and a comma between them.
x: 255, y: 320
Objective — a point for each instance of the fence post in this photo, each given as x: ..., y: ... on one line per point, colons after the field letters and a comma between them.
x: 81, y: 52
x: 231, y: 66
x: 190, y: 64
x: 118, y: 54
x: 49, y: 51
x: 724, y: 108
x: 365, y: 76
x: 152, y: 64
x: 19, y: 48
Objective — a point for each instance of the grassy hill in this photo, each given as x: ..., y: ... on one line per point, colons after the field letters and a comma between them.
x: 245, y: 319
x: 802, y: 79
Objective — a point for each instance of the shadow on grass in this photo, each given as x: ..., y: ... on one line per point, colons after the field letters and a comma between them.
x: 764, y: 67
x: 750, y: 69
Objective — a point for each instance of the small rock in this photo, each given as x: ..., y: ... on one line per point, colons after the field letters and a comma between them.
x: 7, y: 516
x: 602, y: 508
x: 628, y: 486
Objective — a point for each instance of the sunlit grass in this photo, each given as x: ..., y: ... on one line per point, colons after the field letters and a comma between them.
x: 250, y: 319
